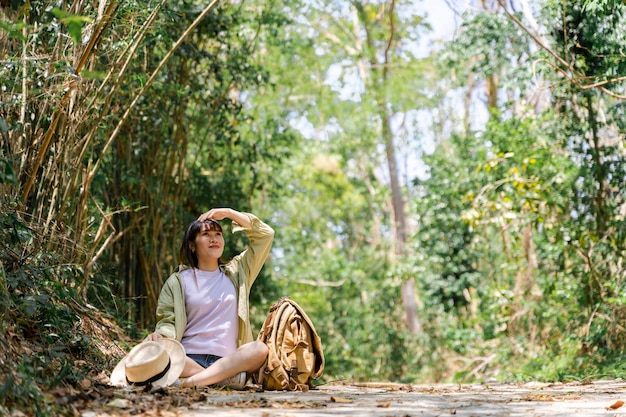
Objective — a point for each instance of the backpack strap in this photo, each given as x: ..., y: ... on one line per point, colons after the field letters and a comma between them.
x: 274, y: 364
x: 317, y: 342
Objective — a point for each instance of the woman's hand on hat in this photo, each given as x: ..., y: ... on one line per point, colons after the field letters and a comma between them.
x: 152, y: 337
x: 223, y: 213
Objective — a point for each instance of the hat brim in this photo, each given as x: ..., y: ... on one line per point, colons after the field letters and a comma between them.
x: 177, y: 355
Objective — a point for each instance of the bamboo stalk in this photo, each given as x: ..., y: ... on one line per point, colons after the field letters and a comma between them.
x: 24, y: 85
x: 57, y: 115
x: 103, y: 24
x: 128, y: 53
x: 43, y: 149
x: 148, y: 83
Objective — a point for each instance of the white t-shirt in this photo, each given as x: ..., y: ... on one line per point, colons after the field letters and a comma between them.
x: 211, y: 304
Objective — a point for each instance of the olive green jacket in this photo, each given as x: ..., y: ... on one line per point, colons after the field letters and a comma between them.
x: 242, y: 270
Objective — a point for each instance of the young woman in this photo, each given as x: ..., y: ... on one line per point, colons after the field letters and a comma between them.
x: 205, y: 304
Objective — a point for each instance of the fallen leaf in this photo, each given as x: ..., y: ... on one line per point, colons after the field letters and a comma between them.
x: 119, y: 403
x: 617, y: 404
x: 102, y: 377
x: 85, y: 383
x: 340, y: 400
x: 384, y: 405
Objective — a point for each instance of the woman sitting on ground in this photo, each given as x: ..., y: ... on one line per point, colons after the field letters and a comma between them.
x: 205, y: 305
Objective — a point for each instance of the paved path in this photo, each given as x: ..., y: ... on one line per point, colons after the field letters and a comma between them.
x: 531, y: 399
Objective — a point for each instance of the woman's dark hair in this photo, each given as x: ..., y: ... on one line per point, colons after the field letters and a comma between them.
x: 188, y: 256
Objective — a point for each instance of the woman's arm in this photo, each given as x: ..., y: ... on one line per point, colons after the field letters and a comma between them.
x: 260, y: 238
x: 223, y: 213
x: 165, y: 313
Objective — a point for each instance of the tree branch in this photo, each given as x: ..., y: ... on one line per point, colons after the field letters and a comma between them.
x: 577, y: 75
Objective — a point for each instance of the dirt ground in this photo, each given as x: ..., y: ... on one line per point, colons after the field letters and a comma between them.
x: 597, y: 398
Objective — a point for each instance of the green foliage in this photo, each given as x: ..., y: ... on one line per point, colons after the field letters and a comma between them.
x: 37, y: 297
x: 595, y: 230
x: 591, y: 41
x: 334, y: 264
x: 21, y: 392
x: 279, y: 108
x: 190, y: 145
x: 603, y: 7
x: 529, y: 204
x: 73, y: 22
x: 7, y: 173
x: 14, y: 30
x: 486, y: 45
x: 444, y: 238
x: 500, y: 239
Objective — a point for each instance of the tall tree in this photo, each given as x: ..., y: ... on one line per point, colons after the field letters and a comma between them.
x: 359, y: 95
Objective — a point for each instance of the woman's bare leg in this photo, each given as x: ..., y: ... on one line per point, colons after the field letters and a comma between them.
x: 191, y: 367
x: 248, y: 358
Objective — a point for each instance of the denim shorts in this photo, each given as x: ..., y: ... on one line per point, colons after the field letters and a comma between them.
x: 204, y: 360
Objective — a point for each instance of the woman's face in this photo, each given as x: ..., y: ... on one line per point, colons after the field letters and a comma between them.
x: 208, y: 244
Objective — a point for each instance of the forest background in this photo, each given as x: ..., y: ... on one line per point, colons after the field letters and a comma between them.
x: 455, y: 216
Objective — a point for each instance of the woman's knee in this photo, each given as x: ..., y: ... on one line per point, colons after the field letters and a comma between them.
x: 260, y: 349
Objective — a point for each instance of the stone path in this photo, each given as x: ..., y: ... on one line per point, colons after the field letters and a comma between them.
x: 530, y: 399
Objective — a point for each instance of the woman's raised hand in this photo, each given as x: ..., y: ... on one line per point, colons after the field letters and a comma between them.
x: 215, y: 214
x: 223, y: 213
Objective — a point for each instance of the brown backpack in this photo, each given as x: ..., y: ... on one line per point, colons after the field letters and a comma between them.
x: 295, y: 350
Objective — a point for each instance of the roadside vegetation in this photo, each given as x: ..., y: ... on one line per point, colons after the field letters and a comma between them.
x: 451, y: 216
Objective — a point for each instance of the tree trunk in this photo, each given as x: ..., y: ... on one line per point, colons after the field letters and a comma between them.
x: 400, y: 226
x: 409, y: 301
x: 396, y: 193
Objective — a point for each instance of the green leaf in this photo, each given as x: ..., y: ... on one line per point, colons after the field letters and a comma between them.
x: 4, y: 126
x: 14, y: 30
x: 73, y: 22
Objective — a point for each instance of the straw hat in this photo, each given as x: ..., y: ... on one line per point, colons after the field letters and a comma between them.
x: 155, y: 364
